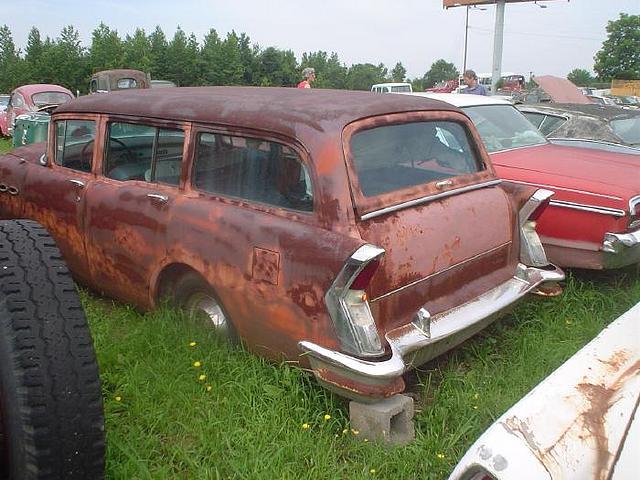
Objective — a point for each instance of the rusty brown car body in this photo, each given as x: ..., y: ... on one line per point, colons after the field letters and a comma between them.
x: 343, y: 251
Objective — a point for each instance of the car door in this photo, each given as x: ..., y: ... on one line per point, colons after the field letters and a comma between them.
x: 54, y: 195
x: 128, y: 206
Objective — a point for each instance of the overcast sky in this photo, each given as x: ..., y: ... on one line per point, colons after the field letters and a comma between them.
x: 552, y: 40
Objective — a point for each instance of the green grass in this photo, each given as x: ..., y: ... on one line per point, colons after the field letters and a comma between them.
x: 5, y: 144
x: 166, y: 423
x: 163, y: 422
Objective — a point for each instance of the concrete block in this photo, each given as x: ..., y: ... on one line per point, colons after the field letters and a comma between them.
x: 389, y: 421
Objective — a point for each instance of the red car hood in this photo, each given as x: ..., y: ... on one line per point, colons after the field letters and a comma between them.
x: 576, y: 168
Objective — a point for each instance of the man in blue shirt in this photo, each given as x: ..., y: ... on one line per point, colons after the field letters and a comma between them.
x: 471, y: 81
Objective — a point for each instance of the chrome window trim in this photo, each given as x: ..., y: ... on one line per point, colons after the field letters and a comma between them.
x: 633, y: 202
x: 588, y: 208
x: 554, y: 188
x: 428, y: 198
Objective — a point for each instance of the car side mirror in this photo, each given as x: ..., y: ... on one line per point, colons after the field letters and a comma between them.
x: 44, y: 161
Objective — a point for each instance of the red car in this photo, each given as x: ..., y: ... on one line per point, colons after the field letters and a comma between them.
x: 315, y: 225
x: 32, y: 98
x: 594, y: 217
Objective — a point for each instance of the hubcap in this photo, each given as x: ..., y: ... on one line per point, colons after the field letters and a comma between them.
x: 203, y: 306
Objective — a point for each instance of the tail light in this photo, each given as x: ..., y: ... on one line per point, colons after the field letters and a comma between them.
x: 634, y: 212
x: 531, y: 251
x: 348, y: 304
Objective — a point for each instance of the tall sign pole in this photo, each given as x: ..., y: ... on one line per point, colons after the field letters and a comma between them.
x: 496, y: 70
x: 466, y: 35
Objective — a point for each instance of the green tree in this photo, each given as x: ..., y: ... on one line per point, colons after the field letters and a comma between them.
x: 33, y: 58
x: 277, y: 68
x: 580, y: 77
x: 106, y: 51
x: 440, y: 71
x: 330, y: 73
x: 158, y: 55
x: 182, y: 59
x: 362, y: 75
x: 619, y: 56
x: 232, y: 67
x: 10, y: 62
x: 64, y: 61
x: 137, y: 51
x: 399, y: 73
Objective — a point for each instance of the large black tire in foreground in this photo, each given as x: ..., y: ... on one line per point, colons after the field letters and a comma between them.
x: 51, y: 415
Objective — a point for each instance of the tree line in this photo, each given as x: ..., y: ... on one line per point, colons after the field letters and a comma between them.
x: 229, y: 60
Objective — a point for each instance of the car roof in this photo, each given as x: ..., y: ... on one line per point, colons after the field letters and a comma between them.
x: 286, y: 111
x: 41, y: 87
x: 462, y: 99
x: 607, y: 112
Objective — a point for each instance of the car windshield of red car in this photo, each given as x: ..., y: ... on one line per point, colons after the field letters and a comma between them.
x: 502, y: 127
x: 394, y: 157
x: 50, y: 98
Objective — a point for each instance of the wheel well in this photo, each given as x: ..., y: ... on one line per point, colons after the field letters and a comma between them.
x: 168, y: 278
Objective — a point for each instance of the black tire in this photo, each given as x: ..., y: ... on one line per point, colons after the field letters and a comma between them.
x: 196, y: 297
x: 51, y: 414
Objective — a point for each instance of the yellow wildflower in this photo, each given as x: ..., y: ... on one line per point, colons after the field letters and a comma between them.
x: 197, y: 364
x: 202, y: 377
x: 305, y: 426
x: 118, y: 398
x: 192, y: 344
x: 475, y: 407
x: 345, y: 431
x: 372, y: 471
x: 476, y: 396
x: 366, y: 440
x: 327, y: 417
x: 355, y: 432
x: 440, y: 455
x: 209, y: 388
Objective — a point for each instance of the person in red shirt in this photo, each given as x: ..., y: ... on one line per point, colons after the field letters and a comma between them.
x: 309, y: 75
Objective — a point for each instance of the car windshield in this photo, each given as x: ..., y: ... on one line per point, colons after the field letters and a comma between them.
x: 628, y: 129
x: 395, y: 157
x: 503, y: 127
x: 50, y: 98
x: 4, y: 100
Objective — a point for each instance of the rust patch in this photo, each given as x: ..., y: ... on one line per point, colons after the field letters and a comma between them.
x: 266, y: 265
x: 396, y: 385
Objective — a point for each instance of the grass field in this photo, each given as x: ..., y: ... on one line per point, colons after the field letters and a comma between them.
x: 180, y: 404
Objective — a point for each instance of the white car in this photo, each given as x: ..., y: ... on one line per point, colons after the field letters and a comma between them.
x: 581, y: 422
x: 397, y: 87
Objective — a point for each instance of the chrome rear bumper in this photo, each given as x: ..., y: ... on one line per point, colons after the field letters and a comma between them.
x: 621, y: 249
x: 421, y: 340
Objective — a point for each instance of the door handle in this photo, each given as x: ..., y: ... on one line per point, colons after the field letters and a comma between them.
x: 444, y: 183
x: 158, y: 198
x: 77, y: 183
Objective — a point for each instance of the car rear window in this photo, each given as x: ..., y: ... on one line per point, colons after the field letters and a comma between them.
x: 50, y: 98
x: 394, y: 157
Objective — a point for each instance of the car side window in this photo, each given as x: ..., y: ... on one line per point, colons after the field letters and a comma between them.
x: 535, y: 118
x: 74, y: 144
x: 550, y: 124
x: 144, y: 153
x: 252, y: 169
x: 17, y: 101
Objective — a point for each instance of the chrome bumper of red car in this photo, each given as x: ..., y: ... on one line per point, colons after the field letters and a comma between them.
x: 421, y: 340
x: 621, y: 249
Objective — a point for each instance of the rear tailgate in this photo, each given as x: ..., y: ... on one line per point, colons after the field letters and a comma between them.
x: 447, y: 229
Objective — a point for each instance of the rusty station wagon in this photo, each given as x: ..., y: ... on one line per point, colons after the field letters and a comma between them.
x: 359, y: 234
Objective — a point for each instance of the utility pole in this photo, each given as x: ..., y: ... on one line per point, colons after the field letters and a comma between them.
x: 466, y: 35
x: 496, y: 71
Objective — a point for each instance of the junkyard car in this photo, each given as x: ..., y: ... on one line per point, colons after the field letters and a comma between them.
x: 118, y: 79
x: 34, y: 98
x: 582, y: 422
x: 559, y: 121
x: 593, y: 220
x: 332, y: 224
